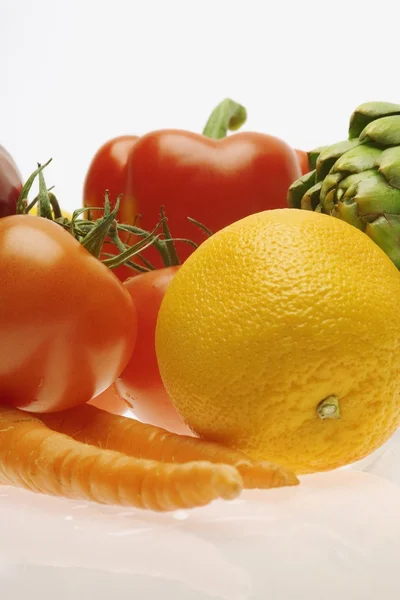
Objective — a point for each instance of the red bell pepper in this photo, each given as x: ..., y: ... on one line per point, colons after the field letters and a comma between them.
x: 212, y: 180
x: 10, y: 184
x: 302, y: 157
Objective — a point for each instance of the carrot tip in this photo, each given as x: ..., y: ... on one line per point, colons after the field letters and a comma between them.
x: 289, y: 477
x: 264, y: 475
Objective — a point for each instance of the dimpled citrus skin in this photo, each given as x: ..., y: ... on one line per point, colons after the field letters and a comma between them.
x: 269, y: 317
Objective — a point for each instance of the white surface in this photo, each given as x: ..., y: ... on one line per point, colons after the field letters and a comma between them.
x: 74, y: 74
x: 337, y: 535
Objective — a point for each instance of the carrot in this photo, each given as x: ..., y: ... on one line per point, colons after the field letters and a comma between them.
x: 97, y: 427
x: 34, y: 457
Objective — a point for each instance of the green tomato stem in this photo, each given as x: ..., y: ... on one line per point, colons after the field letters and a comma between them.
x: 146, y: 262
x: 201, y: 226
x: 94, y: 239
x: 169, y: 242
x: 158, y: 244
x: 55, y: 206
x: 127, y: 263
x: 121, y: 259
x: 44, y: 206
x: 22, y: 199
x: 190, y: 242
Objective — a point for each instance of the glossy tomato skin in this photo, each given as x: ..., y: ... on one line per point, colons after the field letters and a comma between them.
x: 302, y: 157
x: 67, y: 325
x: 109, y: 171
x: 215, y: 182
x: 140, y: 383
x: 10, y: 184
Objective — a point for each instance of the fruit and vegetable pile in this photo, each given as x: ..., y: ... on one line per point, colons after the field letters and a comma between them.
x: 238, y: 295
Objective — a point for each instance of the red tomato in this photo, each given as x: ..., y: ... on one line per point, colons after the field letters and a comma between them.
x: 140, y: 384
x: 10, y: 184
x: 213, y: 181
x: 67, y: 325
x: 302, y: 157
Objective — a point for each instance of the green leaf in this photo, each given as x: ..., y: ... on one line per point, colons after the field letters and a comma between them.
x: 348, y: 211
x: 330, y: 183
x: 384, y: 131
x: 348, y: 184
x: 330, y: 201
x: 330, y: 154
x: 389, y: 166
x: 313, y: 156
x: 358, y: 159
x: 311, y: 198
x: 368, y: 112
x: 385, y: 232
x: 374, y: 197
x: 299, y: 188
x: 357, y: 177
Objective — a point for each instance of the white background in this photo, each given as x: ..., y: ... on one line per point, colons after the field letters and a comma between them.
x: 76, y: 73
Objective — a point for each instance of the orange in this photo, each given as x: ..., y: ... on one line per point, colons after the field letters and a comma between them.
x: 65, y: 213
x: 280, y: 337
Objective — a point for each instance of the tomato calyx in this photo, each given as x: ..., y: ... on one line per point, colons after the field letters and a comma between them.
x: 92, y: 234
x: 164, y: 243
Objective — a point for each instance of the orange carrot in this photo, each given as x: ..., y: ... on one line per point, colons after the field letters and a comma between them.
x: 97, y: 427
x: 34, y: 457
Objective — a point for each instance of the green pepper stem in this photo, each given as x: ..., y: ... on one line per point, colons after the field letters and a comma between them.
x: 227, y: 116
